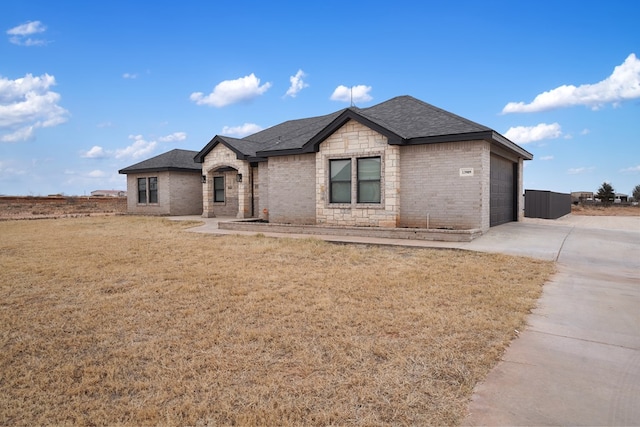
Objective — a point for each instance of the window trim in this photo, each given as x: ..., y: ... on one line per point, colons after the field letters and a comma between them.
x: 215, y: 190
x: 359, y: 180
x: 148, y: 192
x: 340, y: 181
x: 354, y: 203
x: 143, y: 191
x: 152, y: 191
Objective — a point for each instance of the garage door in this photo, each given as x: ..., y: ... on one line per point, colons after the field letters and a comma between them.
x: 503, y: 201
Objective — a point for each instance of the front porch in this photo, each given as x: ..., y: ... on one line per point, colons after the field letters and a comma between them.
x: 230, y: 225
x: 228, y: 191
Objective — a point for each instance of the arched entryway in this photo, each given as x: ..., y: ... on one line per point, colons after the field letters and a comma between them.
x: 227, y: 191
x: 223, y: 191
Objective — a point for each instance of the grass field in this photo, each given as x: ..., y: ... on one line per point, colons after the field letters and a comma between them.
x: 611, y: 210
x: 132, y: 320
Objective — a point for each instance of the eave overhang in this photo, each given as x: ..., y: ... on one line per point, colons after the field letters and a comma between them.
x: 160, y: 169
x: 489, y: 136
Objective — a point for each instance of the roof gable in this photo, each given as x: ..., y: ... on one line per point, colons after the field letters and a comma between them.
x: 174, y: 160
x: 244, y: 149
x: 350, y: 114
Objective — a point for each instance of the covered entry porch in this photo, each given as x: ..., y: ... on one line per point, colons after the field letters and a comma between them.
x: 228, y: 191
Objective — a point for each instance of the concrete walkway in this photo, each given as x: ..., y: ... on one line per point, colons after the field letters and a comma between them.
x: 578, y: 361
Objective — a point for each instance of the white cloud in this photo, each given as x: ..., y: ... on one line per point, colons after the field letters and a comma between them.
x: 585, y: 132
x: 240, y: 131
x: 581, y: 170
x: 105, y: 125
x: 176, y: 136
x: 96, y: 174
x: 546, y: 158
x: 526, y: 134
x: 632, y: 169
x: 623, y: 84
x: 7, y: 170
x: 232, y: 91
x: 96, y: 152
x: 26, y: 104
x: 297, y: 84
x: 20, y: 34
x: 31, y: 27
x: 139, y: 148
x: 354, y: 94
x: 130, y: 76
x: 22, y: 134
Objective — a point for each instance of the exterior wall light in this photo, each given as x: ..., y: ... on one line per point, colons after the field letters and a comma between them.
x: 239, y: 177
x: 203, y: 179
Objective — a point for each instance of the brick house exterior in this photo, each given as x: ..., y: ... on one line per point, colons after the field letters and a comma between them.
x: 168, y: 184
x: 399, y: 164
x: 431, y: 168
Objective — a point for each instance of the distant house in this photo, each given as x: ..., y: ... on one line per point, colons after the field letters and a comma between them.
x: 108, y: 193
x: 621, y: 198
x: 168, y: 184
x: 581, y: 196
x: 400, y: 163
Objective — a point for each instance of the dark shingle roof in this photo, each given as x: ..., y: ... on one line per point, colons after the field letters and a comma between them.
x: 411, y: 118
x: 292, y: 134
x: 404, y: 120
x: 174, y: 160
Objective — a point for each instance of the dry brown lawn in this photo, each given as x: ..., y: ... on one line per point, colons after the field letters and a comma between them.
x: 612, y: 210
x: 133, y: 321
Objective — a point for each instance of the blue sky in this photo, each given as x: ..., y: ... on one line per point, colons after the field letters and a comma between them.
x: 88, y: 88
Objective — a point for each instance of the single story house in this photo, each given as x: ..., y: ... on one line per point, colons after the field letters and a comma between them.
x: 167, y: 184
x: 581, y: 196
x: 400, y: 163
x: 108, y: 193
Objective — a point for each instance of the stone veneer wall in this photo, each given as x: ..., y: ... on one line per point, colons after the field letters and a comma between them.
x: 237, y: 194
x: 354, y: 140
x: 435, y: 192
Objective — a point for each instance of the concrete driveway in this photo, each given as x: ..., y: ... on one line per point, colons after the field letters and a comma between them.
x: 578, y: 360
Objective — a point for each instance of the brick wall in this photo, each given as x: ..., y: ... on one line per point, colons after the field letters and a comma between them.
x: 160, y: 208
x: 38, y: 207
x: 262, y: 188
x: 186, y: 193
x: 292, y: 189
x: 255, y: 181
x: 434, y: 190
